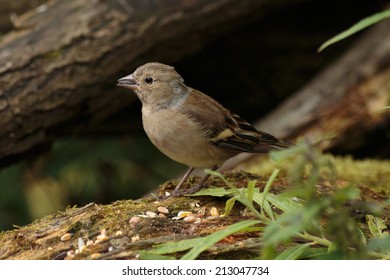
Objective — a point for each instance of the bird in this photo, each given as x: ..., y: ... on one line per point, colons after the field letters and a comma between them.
x: 189, y: 126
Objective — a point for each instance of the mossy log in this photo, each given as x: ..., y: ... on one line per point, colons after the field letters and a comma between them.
x: 106, y: 231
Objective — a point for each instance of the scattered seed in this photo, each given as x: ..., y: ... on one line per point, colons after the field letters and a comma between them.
x: 163, y: 210
x: 210, y: 218
x: 103, y: 232
x: 214, y: 212
x: 70, y: 253
x: 135, y: 238
x: 110, y: 249
x: 95, y: 255
x: 50, y: 249
x: 167, y: 194
x: 101, y: 238
x: 190, y: 219
x: 66, y: 237
x: 89, y: 242
x: 151, y: 214
x: 246, y: 213
x: 195, y: 205
x: 162, y: 216
x: 134, y: 221
x: 80, y: 244
x: 183, y: 214
x: 143, y: 216
x: 118, y: 233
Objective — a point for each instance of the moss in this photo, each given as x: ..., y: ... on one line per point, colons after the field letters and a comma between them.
x: 42, y: 238
x: 370, y: 173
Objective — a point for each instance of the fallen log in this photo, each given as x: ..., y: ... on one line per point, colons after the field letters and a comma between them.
x: 56, y: 67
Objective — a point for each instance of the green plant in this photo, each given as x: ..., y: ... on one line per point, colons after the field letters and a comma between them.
x: 362, y: 24
x: 300, y: 222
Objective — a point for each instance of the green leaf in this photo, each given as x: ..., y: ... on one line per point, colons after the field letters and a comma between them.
x: 364, y: 23
x: 332, y: 247
x: 253, y: 229
x: 269, y: 184
x: 362, y: 238
x: 210, y: 240
x: 346, y: 194
x: 380, y: 244
x: 173, y: 247
x: 242, y: 197
x: 148, y: 256
x: 293, y: 253
x: 284, y: 203
x: 268, y: 209
x: 200, y: 244
x: 268, y: 252
x: 264, y: 204
x: 288, y: 225
x: 314, y: 253
x: 276, y: 233
x: 229, y: 205
x: 377, y: 226
x: 219, y: 175
x: 250, y: 190
x: 219, y: 192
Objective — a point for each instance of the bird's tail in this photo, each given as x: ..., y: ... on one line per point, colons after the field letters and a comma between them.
x: 281, y: 144
x: 275, y: 144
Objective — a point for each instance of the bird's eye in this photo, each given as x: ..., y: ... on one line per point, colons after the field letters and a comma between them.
x: 149, y: 80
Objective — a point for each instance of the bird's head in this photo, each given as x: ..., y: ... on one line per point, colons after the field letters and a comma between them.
x: 155, y: 84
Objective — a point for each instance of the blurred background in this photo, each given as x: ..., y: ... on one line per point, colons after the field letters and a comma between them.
x: 250, y: 61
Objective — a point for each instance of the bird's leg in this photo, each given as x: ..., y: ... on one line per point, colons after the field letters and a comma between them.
x: 176, y: 191
x: 200, y: 185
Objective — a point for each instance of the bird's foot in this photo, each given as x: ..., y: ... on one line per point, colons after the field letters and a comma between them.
x: 195, y: 189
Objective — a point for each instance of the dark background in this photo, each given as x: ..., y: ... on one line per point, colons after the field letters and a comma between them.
x: 250, y: 69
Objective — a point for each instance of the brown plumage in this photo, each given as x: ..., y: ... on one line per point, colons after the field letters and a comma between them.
x: 189, y: 126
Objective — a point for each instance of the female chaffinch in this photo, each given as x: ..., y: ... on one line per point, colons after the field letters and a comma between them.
x: 189, y: 126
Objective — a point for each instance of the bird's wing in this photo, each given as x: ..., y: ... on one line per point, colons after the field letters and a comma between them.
x: 241, y: 136
x: 228, y: 130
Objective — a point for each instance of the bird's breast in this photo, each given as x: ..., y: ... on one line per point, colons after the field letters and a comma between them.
x: 180, y: 138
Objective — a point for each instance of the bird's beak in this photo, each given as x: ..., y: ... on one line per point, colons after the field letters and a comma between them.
x: 127, y: 82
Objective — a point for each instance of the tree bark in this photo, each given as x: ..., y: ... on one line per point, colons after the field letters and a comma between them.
x: 58, y: 70
x: 346, y: 100
x: 11, y: 9
x: 352, y: 92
